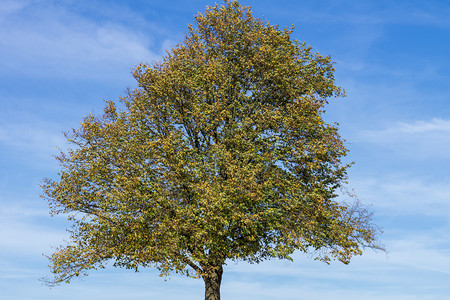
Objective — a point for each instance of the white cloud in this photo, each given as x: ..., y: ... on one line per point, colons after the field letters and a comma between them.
x: 422, y: 252
x: 32, y: 138
x: 25, y: 227
x: 403, y: 194
x: 11, y: 6
x: 28, y: 239
x: 32, y: 142
x: 372, y: 276
x: 47, y: 42
x: 357, y: 13
x: 411, y: 130
x: 13, y: 211
x: 418, y: 139
x: 435, y: 125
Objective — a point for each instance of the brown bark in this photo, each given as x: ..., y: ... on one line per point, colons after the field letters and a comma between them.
x: 213, y: 279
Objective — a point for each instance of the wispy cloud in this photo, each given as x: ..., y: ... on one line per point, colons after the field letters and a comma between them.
x: 47, y: 41
x: 423, y: 252
x: 402, y: 193
x: 435, y: 125
x: 26, y: 136
x: 10, y: 6
x: 27, y: 228
x: 28, y: 239
x: 31, y: 142
x: 367, y: 277
x: 380, y: 12
x: 418, y: 139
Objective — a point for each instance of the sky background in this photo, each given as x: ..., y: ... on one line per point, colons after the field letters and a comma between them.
x: 59, y: 60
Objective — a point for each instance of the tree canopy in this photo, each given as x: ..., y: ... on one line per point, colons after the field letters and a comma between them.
x: 220, y: 154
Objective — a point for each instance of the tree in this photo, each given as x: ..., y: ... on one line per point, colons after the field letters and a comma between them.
x: 220, y: 154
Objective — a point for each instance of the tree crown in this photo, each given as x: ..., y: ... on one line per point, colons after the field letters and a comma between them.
x: 221, y: 153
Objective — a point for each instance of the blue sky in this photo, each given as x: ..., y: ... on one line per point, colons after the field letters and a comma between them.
x: 60, y: 59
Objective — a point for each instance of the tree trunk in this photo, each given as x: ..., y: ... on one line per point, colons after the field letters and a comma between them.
x: 212, y: 280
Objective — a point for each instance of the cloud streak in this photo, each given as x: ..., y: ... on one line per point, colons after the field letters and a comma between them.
x: 37, y: 140
x: 403, y: 194
x: 380, y: 12
x: 28, y: 229
x: 417, y: 139
x: 53, y: 42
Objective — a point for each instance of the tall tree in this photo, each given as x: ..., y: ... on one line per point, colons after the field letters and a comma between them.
x: 221, y: 154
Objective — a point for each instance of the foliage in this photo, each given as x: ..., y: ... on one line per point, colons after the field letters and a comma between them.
x: 220, y: 154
